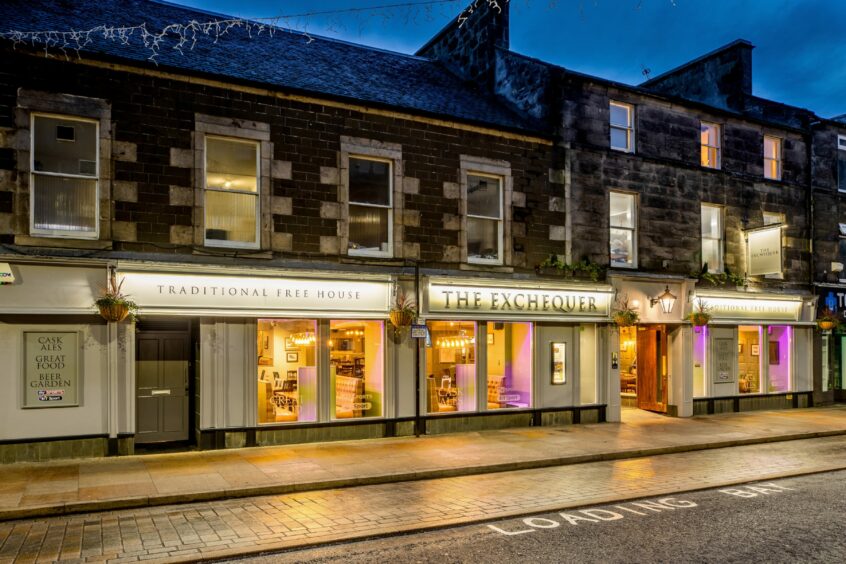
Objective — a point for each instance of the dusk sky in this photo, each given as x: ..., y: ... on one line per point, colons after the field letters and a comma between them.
x: 799, y: 56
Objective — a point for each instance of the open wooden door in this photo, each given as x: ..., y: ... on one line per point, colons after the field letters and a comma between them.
x: 652, y: 367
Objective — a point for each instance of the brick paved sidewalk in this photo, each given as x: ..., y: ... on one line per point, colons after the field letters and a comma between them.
x: 240, y: 526
x: 51, y: 488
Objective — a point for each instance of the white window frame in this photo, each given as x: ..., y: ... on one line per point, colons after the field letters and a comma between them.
x: 231, y: 244
x: 629, y: 128
x: 62, y: 233
x: 390, y: 207
x: 841, y: 153
x: 778, y: 157
x: 717, y: 147
x: 633, y: 229
x: 722, y: 238
x: 500, y: 230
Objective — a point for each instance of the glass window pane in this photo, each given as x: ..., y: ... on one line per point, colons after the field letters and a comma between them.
x: 771, y: 147
x: 841, y: 170
x: 619, y: 138
x: 356, y: 350
x: 749, y: 359
x: 628, y: 360
x: 287, y: 370
x: 509, y: 356
x: 370, y: 182
x: 700, y: 359
x: 622, y: 246
x: 771, y: 169
x: 231, y: 165
x: 231, y: 216
x: 773, y: 218
x: 369, y: 228
x: 483, y: 196
x: 709, y: 135
x: 65, y: 146
x: 711, y: 222
x: 451, y: 367
x: 712, y: 254
x: 622, y: 210
x: 780, y: 344
x: 64, y: 204
x: 482, y: 238
x: 620, y: 115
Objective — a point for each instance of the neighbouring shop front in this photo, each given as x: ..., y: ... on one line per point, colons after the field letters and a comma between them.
x: 830, y: 375
x: 756, y: 353
x: 513, y: 353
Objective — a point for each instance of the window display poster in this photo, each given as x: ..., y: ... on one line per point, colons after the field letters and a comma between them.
x: 51, y: 369
x: 558, y: 363
x: 725, y: 359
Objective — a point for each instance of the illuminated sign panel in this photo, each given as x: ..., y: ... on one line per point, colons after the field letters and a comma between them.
x: 163, y: 292
x: 448, y: 298
x: 764, y: 250
x: 752, y: 309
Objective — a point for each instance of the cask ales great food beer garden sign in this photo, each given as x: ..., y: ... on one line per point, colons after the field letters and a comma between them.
x: 51, y: 369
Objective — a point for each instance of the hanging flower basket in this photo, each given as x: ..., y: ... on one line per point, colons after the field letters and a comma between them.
x: 625, y: 318
x: 403, y: 311
x: 826, y: 324
x: 114, y: 312
x: 401, y: 318
x: 827, y: 320
x: 699, y: 318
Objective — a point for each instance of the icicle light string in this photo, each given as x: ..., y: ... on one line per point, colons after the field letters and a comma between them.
x: 185, y: 35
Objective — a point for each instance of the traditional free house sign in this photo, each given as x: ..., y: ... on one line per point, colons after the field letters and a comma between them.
x: 505, y: 302
x: 170, y: 292
x: 51, y: 369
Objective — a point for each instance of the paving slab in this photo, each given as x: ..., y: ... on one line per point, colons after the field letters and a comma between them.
x: 82, y: 485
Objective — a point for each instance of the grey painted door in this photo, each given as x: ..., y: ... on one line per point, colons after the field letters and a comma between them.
x: 161, y: 387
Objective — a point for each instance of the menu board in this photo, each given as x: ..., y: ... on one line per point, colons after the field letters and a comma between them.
x: 725, y: 360
x: 51, y: 369
x: 559, y: 363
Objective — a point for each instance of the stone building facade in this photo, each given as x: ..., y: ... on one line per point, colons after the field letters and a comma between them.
x: 489, y: 177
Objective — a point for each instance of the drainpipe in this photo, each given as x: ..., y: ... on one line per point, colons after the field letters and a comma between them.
x: 810, y: 198
x: 418, y: 423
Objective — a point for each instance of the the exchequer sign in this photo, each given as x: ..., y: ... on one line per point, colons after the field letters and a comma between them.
x: 449, y: 298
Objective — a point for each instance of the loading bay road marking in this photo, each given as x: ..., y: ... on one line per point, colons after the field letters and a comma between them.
x: 617, y: 512
x: 597, y: 515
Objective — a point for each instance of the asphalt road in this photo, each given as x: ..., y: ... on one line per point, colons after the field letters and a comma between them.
x: 791, y: 520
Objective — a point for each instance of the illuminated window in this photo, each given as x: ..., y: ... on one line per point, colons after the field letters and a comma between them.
x: 772, y: 157
x: 231, y: 192
x: 628, y: 360
x: 623, y: 230
x: 712, y: 238
x: 357, y: 350
x: 749, y: 365
x: 509, y: 365
x: 622, y: 127
x: 287, y: 370
x: 484, y: 219
x: 700, y: 362
x: 65, y: 177
x: 779, y: 347
x: 451, y: 367
x: 710, y: 141
x: 370, y: 207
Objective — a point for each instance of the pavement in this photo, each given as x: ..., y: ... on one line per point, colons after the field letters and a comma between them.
x: 84, y: 485
x: 236, y: 527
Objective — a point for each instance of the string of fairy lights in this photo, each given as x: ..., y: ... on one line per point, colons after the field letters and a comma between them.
x: 183, y: 36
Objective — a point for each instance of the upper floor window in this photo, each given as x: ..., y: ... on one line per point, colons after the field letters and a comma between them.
x: 231, y: 192
x: 623, y: 230
x: 622, y: 127
x: 710, y: 140
x: 772, y: 157
x: 712, y: 238
x: 484, y: 219
x: 841, y: 163
x: 65, y: 177
x: 370, y: 207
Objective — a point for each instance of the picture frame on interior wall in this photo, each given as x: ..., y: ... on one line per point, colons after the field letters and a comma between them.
x: 756, y: 350
x: 289, y: 344
x: 740, y: 348
x: 490, y: 338
x: 773, y: 350
x: 292, y: 357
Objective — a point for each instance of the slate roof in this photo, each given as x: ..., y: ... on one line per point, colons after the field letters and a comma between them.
x: 286, y: 60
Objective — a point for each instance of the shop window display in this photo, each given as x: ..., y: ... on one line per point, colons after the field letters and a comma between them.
x: 780, y: 339
x: 287, y: 370
x: 356, y: 353
x: 700, y: 359
x: 451, y: 367
x: 749, y: 359
x: 628, y: 360
x: 509, y: 365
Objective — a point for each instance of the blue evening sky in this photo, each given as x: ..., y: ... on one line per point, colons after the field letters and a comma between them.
x: 799, y: 59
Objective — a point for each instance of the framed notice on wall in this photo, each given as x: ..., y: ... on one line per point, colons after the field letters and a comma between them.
x: 559, y: 363
x: 724, y: 358
x: 51, y: 369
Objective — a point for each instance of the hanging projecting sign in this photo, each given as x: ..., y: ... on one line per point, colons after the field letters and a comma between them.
x: 51, y: 369
x: 764, y: 251
x: 509, y: 301
x: 167, y: 292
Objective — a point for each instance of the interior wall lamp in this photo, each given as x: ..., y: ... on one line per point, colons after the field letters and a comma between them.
x: 667, y: 300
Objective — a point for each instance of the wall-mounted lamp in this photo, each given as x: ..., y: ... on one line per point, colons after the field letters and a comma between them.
x: 667, y: 301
